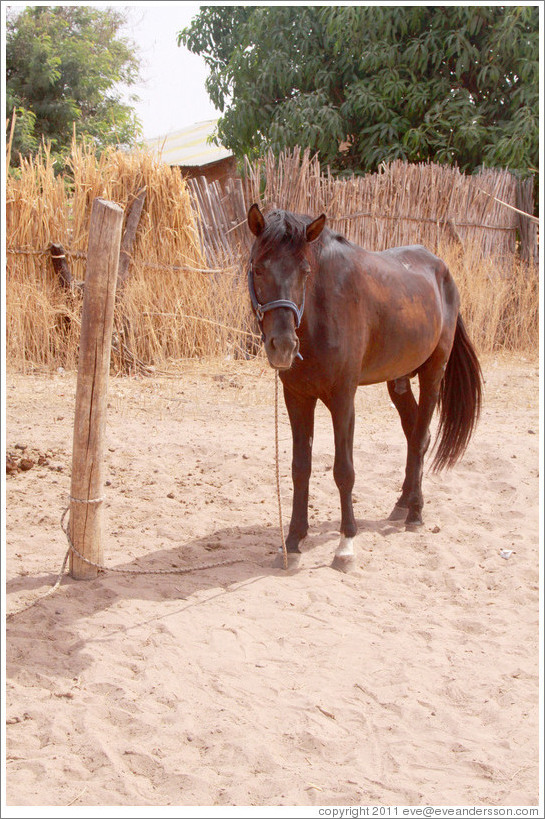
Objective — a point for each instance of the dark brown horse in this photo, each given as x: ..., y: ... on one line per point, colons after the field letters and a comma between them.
x: 335, y: 316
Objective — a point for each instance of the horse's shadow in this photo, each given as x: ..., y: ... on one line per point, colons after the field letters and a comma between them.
x: 166, y: 575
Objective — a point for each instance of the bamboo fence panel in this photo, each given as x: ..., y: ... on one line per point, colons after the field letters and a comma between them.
x: 400, y: 204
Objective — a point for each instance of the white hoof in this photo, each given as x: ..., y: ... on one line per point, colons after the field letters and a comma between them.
x: 344, y: 559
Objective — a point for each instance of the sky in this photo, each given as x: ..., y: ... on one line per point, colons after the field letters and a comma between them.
x: 172, y: 94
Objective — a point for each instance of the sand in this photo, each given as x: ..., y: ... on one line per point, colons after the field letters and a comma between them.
x: 412, y: 681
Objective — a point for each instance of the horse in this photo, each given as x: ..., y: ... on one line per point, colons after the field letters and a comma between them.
x: 334, y: 316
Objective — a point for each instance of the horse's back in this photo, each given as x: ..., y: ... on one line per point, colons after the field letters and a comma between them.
x: 415, y: 260
x: 395, y: 261
x: 389, y: 276
x: 401, y: 301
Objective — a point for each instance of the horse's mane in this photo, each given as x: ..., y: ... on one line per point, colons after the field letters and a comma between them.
x: 282, y: 227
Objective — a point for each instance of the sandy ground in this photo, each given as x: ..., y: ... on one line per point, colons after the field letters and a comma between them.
x: 412, y: 681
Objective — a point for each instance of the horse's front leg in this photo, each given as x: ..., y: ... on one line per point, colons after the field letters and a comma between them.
x: 343, y: 416
x: 301, y: 414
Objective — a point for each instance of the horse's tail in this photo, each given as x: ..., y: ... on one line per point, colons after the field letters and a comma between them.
x: 459, y: 403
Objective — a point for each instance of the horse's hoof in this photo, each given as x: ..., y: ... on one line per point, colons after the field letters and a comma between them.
x: 294, y: 558
x: 413, y: 525
x: 399, y: 513
x: 344, y: 563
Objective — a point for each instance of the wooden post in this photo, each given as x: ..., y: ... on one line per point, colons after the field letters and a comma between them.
x: 87, y: 484
x: 60, y: 265
x: 133, y: 218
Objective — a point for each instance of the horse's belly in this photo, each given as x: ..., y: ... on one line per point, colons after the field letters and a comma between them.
x: 400, y: 321
x: 393, y: 352
x: 389, y: 373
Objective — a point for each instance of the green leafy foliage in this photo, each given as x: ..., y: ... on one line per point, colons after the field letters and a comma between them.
x: 64, y: 66
x: 368, y: 84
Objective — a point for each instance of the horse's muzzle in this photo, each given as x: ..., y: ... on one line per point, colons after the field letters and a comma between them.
x: 281, y: 351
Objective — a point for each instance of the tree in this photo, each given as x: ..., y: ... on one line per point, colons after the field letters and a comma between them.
x: 63, y: 68
x: 367, y: 84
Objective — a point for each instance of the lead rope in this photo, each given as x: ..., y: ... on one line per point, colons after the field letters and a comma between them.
x: 284, y: 549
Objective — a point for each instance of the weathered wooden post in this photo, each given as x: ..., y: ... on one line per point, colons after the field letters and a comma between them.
x: 92, y: 387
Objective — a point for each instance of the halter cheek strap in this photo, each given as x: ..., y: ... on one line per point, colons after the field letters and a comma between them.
x: 261, y: 309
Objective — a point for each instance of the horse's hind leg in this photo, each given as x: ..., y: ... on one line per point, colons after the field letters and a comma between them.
x: 430, y: 377
x: 404, y: 401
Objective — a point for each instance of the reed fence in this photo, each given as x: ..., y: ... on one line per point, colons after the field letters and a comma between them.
x: 401, y: 204
x: 182, y: 287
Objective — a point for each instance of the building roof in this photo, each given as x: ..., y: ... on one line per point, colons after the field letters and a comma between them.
x: 189, y: 146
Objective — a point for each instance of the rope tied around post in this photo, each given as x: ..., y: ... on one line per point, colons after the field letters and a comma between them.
x: 102, y: 568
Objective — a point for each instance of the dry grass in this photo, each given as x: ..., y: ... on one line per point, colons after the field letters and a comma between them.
x: 171, y: 316
x: 499, y: 301
x: 173, y: 308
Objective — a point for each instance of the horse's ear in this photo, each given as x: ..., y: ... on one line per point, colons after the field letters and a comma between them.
x: 315, y: 228
x: 256, y: 221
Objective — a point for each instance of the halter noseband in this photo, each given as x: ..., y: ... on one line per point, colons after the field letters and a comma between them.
x: 261, y: 309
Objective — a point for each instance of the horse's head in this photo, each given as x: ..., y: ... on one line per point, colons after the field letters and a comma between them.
x: 279, y: 267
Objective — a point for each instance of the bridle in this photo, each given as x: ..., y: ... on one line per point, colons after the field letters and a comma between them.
x: 261, y: 309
